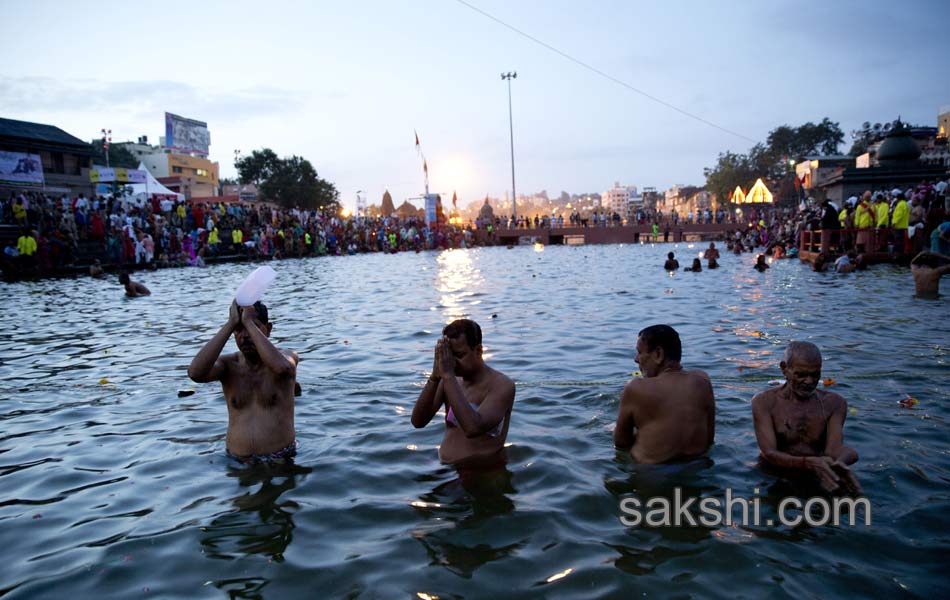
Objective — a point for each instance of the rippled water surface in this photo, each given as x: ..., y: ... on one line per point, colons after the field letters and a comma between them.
x: 113, y: 486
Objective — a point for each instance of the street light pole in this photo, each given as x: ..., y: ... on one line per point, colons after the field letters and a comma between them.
x: 511, y: 130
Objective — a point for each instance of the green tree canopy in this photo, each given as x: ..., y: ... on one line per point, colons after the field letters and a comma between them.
x: 119, y: 156
x: 290, y: 182
x: 772, y: 161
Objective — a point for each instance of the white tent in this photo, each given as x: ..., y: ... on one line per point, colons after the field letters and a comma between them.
x: 152, y: 187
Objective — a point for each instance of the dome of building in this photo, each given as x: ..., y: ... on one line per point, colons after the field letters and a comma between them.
x: 486, y: 213
x: 386, y: 207
x: 898, y: 148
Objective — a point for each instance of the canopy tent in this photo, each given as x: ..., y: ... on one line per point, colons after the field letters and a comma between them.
x: 152, y: 188
x: 759, y: 194
x: 738, y: 196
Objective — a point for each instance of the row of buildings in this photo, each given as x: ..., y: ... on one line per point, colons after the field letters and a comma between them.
x: 44, y: 157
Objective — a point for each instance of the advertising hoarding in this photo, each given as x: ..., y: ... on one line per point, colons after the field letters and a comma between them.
x: 187, y: 136
x: 21, y: 169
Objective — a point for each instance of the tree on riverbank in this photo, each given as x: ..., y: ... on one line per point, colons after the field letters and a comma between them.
x: 774, y: 161
x: 119, y: 156
x: 288, y: 181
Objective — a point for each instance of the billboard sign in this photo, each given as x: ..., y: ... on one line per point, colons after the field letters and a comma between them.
x: 186, y: 135
x: 110, y: 175
x: 21, y: 169
x: 434, y: 215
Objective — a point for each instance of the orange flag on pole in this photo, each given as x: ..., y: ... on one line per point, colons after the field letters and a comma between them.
x: 418, y: 147
x: 454, y: 200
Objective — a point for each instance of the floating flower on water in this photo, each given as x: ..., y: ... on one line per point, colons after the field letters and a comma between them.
x: 853, y: 411
x: 669, y: 291
x: 637, y: 374
x: 103, y: 381
x: 828, y: 381
x: 908, y: 402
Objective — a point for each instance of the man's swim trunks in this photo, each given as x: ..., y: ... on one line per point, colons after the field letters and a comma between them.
x: 285, y: 454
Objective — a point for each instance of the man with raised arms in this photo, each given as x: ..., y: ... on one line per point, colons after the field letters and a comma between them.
x: 800, y: 427
x: 669, y: 415
x: 477, y: 398
x: 258, y: 383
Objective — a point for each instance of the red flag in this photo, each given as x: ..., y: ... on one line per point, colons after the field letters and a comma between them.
x: 418, y: 148
x: 425, y: 167
x: 454, y: 201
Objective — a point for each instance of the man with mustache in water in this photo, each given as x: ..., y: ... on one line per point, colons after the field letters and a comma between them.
x: 258, y: 382
x: 669, y: 415
x: 478, y: 399
x: 800, y: 427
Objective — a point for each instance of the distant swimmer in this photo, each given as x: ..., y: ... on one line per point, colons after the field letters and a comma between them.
x: 95, y: 269
x: 801, y: 427
x: 760, y: 265
x: 258, y: 383
x: 669, y: 414
x: 478, y: 399
x: 133, y: 288
x: 671, y: 263
x: 927, y: 269
x: 697, y: 266
x: 712, y: 256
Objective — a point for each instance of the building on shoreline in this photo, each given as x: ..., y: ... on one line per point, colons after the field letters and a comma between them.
x: 44, y: 157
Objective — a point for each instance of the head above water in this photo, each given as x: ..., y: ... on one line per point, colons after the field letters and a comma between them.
x: 801, y: 366
x: 662, y: 337
x: 670, y: 256
x: 124, y: 278
x: 466, y: 327
x: 243, y: 338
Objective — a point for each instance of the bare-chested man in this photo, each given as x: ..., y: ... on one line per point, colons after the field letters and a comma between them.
x: 669, y: 414
x: 258, y: 384
x: 133, y: 288
x: 927, y: 269
x: 800, y: 427
x: 478, y: 399
x: 712, y: 256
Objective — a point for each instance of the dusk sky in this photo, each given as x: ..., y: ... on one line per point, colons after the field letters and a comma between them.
x: 345, y: 84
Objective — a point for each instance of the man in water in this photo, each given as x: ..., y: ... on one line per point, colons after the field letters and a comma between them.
x: 712, y: 256
x: 258, y: 383
x: 478, y: 399
x: 133, y: 288
x: 800, y: 427
x: 671, y: 263
x: 670, y: 414
x: 760, y: 265
x: 927, y: 269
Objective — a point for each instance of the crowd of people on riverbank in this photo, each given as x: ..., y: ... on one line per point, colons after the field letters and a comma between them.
x: 135, y: 232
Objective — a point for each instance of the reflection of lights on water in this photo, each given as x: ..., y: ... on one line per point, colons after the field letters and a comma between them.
x: 411, y: 447
x: 671, y: 273
x: 691, y: 246
x: 421, y: 504
x: 425, y: 596
x: 560, y: 575
x: 400, y: 410
x: 700, y: 255
x: 770, y: 260
x: 538, y: 247
x: 507, y: 444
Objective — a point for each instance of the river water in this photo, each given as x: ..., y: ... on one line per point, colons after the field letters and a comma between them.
x: 114, y: 486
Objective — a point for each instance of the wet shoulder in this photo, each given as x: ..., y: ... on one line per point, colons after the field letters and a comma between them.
x: 832, y: 400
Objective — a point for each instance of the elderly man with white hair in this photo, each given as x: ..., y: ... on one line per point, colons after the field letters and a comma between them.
x: 799, y: 427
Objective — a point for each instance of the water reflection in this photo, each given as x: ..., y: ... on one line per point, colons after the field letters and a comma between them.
x: 459, y: 532
x: 262, y: 524
x: 457, y: 280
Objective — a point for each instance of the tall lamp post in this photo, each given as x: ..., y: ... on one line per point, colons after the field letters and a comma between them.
x: 106, y: 140
x: 511, y: 130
